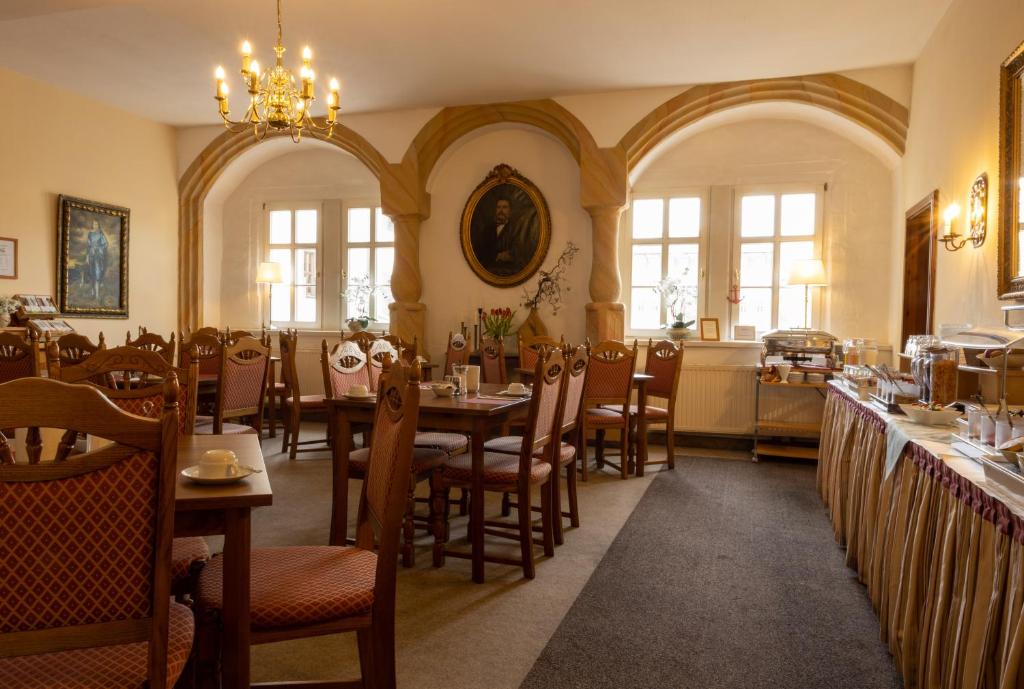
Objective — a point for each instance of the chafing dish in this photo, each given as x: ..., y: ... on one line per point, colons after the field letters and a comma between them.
x: 798, y: 346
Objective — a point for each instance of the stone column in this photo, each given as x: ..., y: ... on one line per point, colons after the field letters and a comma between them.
x: 407, y: 313
x: 605, y: 314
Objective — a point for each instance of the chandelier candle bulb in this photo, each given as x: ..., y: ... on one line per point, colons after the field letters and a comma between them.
x: 246, y: 56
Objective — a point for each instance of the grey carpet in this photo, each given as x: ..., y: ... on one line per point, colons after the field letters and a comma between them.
x: 725, y: 575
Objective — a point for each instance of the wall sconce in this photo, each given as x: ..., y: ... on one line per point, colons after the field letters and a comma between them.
x: 977, y: 210
x: 952, y: 240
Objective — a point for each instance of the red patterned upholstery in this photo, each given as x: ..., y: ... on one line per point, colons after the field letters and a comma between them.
x: 20, y: 367
x: 242, y: 384
x: 573, y: 397
x: 492, y: 361
x: 151, y: 406
x: 423, y: 459
x: 386, y: 433
x: 610, y: 378
x: 308, y: 401
x: 604, y: 417
x: 512, y: 445
x: 185, y: 553
x: 548, y: 407
x: 78, y: 550
x: 528, y: 358
x: 452, y: 443
x: 498, y: 468
x: 300, y: 585
x: 375, y: 364
x: 653, y: 413
x: 102, y: 667
x: 664, y: 371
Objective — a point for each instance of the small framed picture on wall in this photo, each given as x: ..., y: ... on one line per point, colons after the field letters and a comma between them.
x: 709, y: 330
x: 8, y: 258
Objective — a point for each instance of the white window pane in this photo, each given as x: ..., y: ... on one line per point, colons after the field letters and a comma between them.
x: 358, y: 224
x: 305, y: 266
x: 684, y: 217
x: 358, y: 269
x: 757, y: 216
x: 305, y: 226
x: 305, y: 304
x: 756, y: 265
x: 683, y: 263
x: 382, y: 314
x: 284, y: 257
x: 281, y: 303
x: 756, y: 307
x: 648, y: 216
x: 789, y: 253
x: 644, y: 307
x: 646, y: 265
x: 792, y: 307
x: 385, y: 228
x: 797, y: 215
x: 280, y: 227
x: 384, y: 262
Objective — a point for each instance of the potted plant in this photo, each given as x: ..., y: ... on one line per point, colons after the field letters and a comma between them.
x: 8, y: 305
x: 357, y: 294
x: 678, y: 300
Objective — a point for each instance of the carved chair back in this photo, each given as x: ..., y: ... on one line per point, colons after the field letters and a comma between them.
x: 363, y: 338
x: 154, y: 343
x: 577, y: 362
x: 203, y: 347
x: 665, y: 363
x: 375, y: 355
x: 544, y: 418
x: 531, y: 347
x: 610, y: 374
x: 242, y: 385
x: 343, y: 366
x: 68, y: 350
x: 407, y: 351
x: 18, y: 357
x: 492, y: 361
x: 457, y: 352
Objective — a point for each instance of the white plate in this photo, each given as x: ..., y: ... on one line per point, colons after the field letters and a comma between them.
x: 928, y: 417
x: 359, y: 398
x: 509, y: 393
x: 192, y: 473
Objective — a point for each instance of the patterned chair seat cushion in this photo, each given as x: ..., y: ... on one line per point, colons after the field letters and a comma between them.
x: 423, y: 459
x: 204, y: 426
x: 601, y: 416
x: 452, y: 443
x: 185, y: 554
x: 299, y: 585
x: 498, y: 468
x: 308, y: 401
x: 511, y: 444
x: 120, y: 666
x: 653, y: 413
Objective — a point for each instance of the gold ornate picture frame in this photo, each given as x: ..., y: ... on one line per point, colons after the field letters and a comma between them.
x: 1010, y: 277
x: 506, y: 228
x: 92, y: 259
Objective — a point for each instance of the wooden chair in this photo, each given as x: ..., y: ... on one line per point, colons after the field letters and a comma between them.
x: 154, y: 343
x: 492, y: 361
x: 517, y: 474
x: 353, y: 587
x: 229, y: 336
x: 457, y: 352
x: 85, y: 567
x: 664, y: 362
x: 205, y: 348
x: 609, y: 384
x: 207, y: 330
x: 295, y: 403
x: 379, y: 350
x: 363, y: 338
x: 18, y: 357
x: 343, y: 366
x: 407, y: 351
x: 68, y: 350
x: 241, y: 388
x: 532, y: 347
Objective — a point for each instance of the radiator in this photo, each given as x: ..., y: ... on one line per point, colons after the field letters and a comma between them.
x: 716, y: 399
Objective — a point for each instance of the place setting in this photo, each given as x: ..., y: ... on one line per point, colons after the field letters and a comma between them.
x: 218, y: 468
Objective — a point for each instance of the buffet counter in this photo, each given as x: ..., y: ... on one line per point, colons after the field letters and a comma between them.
x: 940, y: 550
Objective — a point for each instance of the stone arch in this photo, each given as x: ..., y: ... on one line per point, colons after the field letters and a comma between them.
x: 197, y: 181
x: 865, y: 106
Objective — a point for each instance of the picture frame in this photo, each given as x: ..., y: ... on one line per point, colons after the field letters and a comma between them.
x: 506, y: 228
x: 8, y: 258
x: 92, y: 259
x: 709, y: 330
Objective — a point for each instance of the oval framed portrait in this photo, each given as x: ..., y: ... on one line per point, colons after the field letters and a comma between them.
x: 506, y: 228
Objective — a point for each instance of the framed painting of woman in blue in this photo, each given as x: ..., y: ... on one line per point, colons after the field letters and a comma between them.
x: 92, y: 263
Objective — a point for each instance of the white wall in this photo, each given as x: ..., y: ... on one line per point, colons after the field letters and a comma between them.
x: 71, y: 145
x: 858, y: 220
x: 451, y: 291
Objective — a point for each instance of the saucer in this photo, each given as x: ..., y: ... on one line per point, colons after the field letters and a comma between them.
x: 509, y: 393
x: 359, y: 398
x: 192, y: 473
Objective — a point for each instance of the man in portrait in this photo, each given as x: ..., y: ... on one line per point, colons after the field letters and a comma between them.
x: 505, y: 241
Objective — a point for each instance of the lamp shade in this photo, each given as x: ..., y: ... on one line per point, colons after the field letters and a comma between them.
x: 269, y: 272
x: 810, y: 272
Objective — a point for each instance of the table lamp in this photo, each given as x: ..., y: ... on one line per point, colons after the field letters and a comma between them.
x: 269, y: 273
x: 808, y: 272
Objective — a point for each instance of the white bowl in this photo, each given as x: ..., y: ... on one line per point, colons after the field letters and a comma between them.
x: 442, y: 389
x: 928, y: 417
x: 1015, y: 361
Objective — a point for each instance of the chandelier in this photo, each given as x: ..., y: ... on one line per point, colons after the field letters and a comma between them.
x: 275, y: 101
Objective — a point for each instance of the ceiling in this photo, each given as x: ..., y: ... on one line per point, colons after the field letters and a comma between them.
x: 156, y: 57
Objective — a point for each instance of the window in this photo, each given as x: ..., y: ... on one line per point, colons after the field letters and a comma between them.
x: 293, y: 234
x: 664, y: 242
x: 775, y: 228
x: 369, y: 259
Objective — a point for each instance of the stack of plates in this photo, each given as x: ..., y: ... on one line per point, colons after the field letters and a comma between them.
x: 815, y: 377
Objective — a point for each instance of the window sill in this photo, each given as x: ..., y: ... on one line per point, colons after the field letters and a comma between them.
x: 736, y: 344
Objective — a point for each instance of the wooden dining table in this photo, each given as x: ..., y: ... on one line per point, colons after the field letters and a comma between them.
x: 472, y: 414
x: 225, y: 510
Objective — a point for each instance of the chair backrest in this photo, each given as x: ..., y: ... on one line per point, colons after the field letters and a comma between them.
x: 544, y: 418
x: 68, y: 350
x: 229, y: 336
x: 363, y: 338
x: 287, y: 343
x: 610, y: 374
x: 407, y: 351
x: 17, y: 357
x: 492, y: 361
x: 375, y: 355
x: 154, y: 343
x: 206, y: 330
x: 664, y: 362
x: 577, y: 362
x: 85, y: 559
x: 386, y: 487
x: 344, y: 365
x: 107, y: 367
x: 242, y: 385
x: 457, y: 352
x: 205, y: 348
x: 531, y: 347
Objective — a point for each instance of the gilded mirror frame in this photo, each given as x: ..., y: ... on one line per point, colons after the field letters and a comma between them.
x: 1011, y: 276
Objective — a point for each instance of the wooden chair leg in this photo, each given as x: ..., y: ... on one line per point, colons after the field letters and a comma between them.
x: 627, y: 449
x: 409, y: 526
x: 383, y: 654
x: 557, y: 531
x: 464, y: 502
x: 439, y: 496
x: 570, y: 491
x: 599, y: 451
x: 546, y: 525
x: 670, y: 443
x: 506, y: 505
x: 272, y: 414
x: 583, y: 453
x: 296, y: 423
x: 364, y: 639
x: 285, y: 427
x: 525, y: 512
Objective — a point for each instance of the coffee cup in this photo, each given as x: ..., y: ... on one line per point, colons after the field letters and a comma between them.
x: 358, y: 391
x: 218, y: 464
x: 516, y: 388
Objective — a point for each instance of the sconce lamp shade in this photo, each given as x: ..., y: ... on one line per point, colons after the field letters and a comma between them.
x: 269, y: 273
x: 810, y: 272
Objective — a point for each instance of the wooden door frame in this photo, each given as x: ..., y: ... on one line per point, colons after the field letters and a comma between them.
x: 929, y: 203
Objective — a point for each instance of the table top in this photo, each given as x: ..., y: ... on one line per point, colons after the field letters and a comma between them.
x: 484, y: 403
x: 253, y: 491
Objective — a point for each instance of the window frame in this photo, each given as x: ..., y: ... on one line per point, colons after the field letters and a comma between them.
x: 292, y: 247
x: 374, y: 205
x: 778, y: 190
x: 627, y: 242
